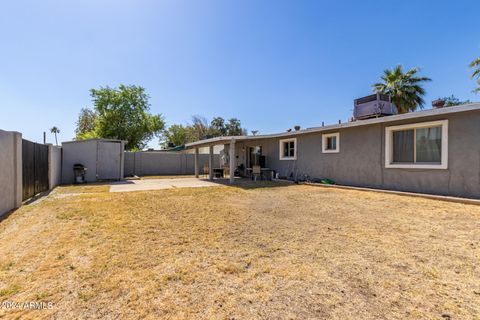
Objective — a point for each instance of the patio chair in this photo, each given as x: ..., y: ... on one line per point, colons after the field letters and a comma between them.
x: 256, y: 172
x: 206, y: 171
x: 226, y: 171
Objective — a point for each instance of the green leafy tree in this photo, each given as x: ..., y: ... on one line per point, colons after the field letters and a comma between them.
x: 405, y: 88
x: 123, y: 113
x: 476, y: 72
x: 85, y: 124
x: 217, y: 127
x: 55, y: 131
x: 453, y: 101
x: 176, y: 135
x: 199, y: 129
x: 234, y: 128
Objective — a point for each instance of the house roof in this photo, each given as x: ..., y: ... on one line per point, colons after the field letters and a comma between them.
x: 412, y: 115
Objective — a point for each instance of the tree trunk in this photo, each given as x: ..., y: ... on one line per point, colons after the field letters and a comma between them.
x: 400, y: 107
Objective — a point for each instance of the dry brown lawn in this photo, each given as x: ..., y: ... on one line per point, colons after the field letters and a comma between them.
x: 169, y: 177
x: 277, y: 252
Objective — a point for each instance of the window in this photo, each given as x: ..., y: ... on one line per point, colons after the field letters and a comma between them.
x: 422, y: 145
x: 288, y: 149
x: 331, y: 142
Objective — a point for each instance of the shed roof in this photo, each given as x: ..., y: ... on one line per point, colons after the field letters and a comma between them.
x: 94, y: 139
x: 412, y: 115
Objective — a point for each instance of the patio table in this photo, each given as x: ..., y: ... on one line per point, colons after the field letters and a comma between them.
x: 218, y: 172
x: 266, y: 172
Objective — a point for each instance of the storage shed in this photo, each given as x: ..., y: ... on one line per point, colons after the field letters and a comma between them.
x: 102, y: 158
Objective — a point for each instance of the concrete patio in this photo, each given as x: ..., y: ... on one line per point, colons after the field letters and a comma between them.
x: 158, y: 184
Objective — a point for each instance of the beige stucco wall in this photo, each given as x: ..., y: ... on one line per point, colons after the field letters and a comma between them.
x: 10, y: 171
x: 164, y: 163
x: 54, y: 166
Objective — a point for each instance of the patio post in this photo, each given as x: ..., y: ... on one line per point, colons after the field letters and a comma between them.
x: 232, y: 160
x: 210, y: 163
x: 196, y: 163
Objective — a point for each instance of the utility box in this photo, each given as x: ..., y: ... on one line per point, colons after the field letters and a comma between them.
x: 103, y: 158
x: 373, y: 106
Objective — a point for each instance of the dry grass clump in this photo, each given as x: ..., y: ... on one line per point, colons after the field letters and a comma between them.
x: 282, y: 252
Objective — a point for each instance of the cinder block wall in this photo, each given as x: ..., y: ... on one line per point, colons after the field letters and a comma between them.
x: 164, y: 163
x: 10, y: 171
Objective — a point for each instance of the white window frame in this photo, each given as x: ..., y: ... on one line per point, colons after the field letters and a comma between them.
x: 281, y: 149
x: 389, y: 145
x: 325, y: 136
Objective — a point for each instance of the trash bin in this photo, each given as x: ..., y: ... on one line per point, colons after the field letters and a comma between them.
x: 79, y: 172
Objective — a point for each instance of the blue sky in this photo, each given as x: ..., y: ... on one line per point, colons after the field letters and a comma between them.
x: 272, y: 64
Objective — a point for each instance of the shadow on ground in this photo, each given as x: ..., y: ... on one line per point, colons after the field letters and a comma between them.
x: 245, y: 183
x: 33, y: 199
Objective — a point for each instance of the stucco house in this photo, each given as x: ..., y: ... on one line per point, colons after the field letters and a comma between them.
x: 435, y: 151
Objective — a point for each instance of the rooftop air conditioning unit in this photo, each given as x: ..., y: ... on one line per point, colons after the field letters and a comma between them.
x: 373, y: 106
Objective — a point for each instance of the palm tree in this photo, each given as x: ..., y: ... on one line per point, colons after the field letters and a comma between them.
x: 404, y: 88
x: 476, y: 73
x: 55, y: 130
